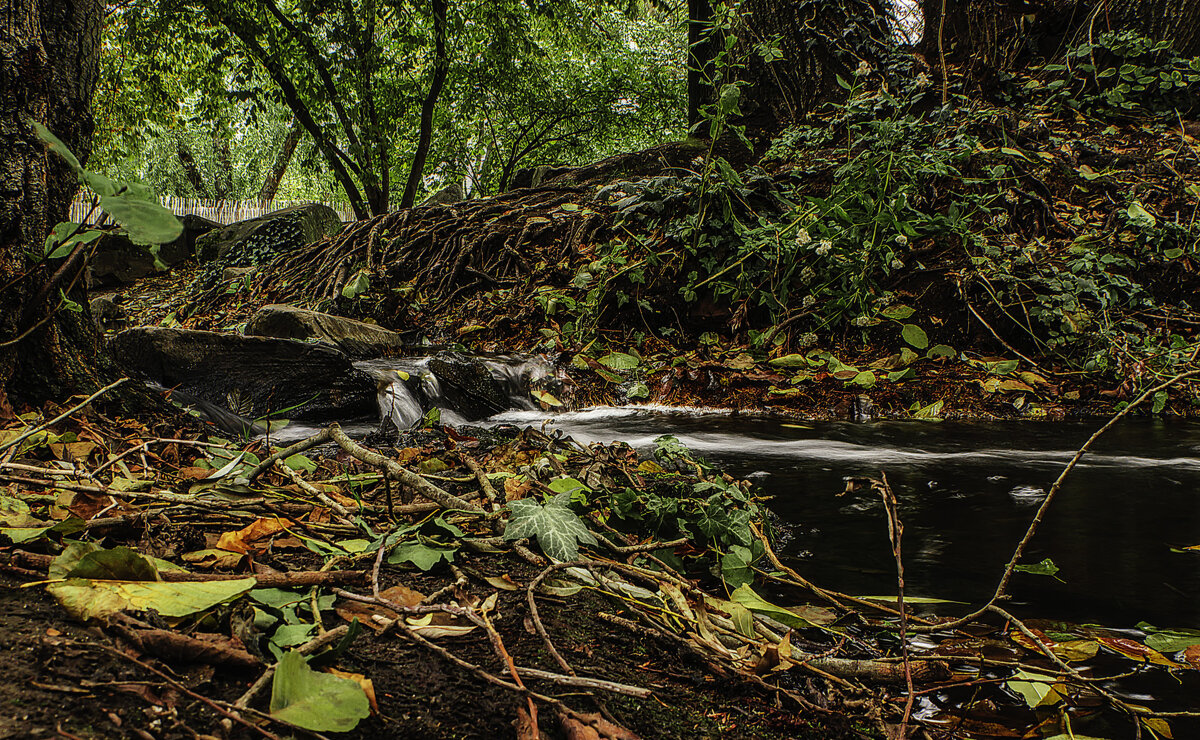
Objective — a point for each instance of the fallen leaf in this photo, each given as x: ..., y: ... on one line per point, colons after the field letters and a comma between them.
x: 592, y: 727
x: 247, y: 538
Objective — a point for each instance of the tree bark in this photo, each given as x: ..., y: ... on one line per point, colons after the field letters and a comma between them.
x: 819, y: 40
x: 428, y: 106
x: 188, y: 161
x: 282, y: 160
x: 988, y: 36
x: 49, y: 66
x: 700, y: 56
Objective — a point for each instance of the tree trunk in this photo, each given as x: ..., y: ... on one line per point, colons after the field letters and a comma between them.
x: 49, y: 64
x: 188, y: 161
x: 988, y: 36
x: 819, y: 40
x: 223, y: 180
x: 700, y: 56
x: 1176, y: 21
x: 282, y: 160
x: 440, y: 65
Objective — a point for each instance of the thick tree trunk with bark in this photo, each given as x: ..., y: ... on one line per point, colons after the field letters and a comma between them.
x: 819, y: 40
x: 986, y: 36
x: 49, y: 63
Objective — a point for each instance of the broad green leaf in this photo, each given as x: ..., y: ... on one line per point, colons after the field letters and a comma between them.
x: 619, y: 361
x: 746, y: 596
x: 898, y: 313
x: 940, y: 351
x: 735, y: 566
x: 421, y: 555
x: 915, y: 336
x: 1174, y: 253
x: 792, y: 360
x: 900, y: 375
x: 557, y: 529
x: 117, y: 564
x: 55, y: 145
x: 357, y: 285
x: 86, y: 599
x: 638, y: 390
x: 567, y: 485
x: 290, y: 635
x: 1140, y: 216
x: 300, y: 462
x: 320, y: 702
x: 1169, y: 641
x: 546, y: 398
x: 865, y: 379
x: 145, y: 222
x: 1037, y: 689
x: 63, y: 239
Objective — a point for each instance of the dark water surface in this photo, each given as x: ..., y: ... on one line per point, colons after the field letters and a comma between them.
x: 967, y: 493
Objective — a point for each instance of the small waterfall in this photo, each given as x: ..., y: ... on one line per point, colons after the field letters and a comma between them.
x: 409, y: 387
x: 520, y: 375
x: 397, y: 402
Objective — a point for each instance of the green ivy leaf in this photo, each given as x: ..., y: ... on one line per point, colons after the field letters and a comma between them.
x: 557, y: 529
x: 898, y: 313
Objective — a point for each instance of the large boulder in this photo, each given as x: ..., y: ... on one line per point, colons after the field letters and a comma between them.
x: 467, y: 386
x: 355, y: 338
x: 252, y: 376
x: 260, y: 238
x: 118, y: 261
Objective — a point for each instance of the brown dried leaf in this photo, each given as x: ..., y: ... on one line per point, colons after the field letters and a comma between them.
x: 249, y: 537
x: 592, y: 727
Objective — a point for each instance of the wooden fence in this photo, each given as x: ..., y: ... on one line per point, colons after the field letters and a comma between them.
x: 221, y: 211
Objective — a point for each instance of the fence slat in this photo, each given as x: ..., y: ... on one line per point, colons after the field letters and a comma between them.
x: 221, y: 211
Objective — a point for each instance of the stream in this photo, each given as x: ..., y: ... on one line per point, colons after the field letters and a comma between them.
x: 967, y: 493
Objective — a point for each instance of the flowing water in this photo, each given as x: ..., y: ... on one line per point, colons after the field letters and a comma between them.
x: 967, y: 492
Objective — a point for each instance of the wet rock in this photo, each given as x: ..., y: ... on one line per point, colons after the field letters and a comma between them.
x: 531, y: 177
x: 467, y: 386
x: 355, y: 338
x: 106, y: 312
x: 229, y: 274
x: 118, y: 261
x: 260, y: 238
x: 452, y: 193
x: 251, y: 376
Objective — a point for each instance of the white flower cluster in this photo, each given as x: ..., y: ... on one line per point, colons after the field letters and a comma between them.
x: 923, y: 80
x: 863, y: 70
x: 807, y: 339
x: 861, y: 321
x: 802, y: 238
x: 901, y: 239
x: 807, y: 274
x: 897, y: 264
x: 823, y: 247
x: 1001, y: 219
x: 809, y: 301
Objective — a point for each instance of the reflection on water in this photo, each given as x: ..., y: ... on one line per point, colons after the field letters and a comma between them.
x: 967, y: 493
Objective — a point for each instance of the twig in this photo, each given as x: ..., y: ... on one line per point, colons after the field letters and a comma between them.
x: 896, y: 535
x: 396, y: 472
x: 63, y: 415
x: 319, y: 438
x: 480, y: 475
x: 180, y: 687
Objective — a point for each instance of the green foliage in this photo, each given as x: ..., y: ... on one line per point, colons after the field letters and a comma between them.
x: 559, y: 531
x: 315, y: 701
x: 1122, y: 75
